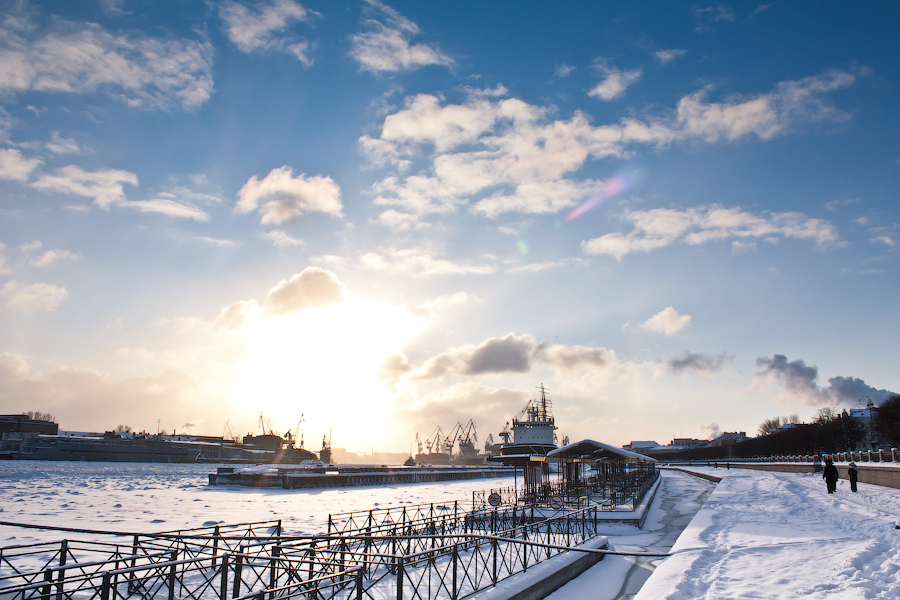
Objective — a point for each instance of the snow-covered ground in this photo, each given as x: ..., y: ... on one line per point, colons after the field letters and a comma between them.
x: 781, y: 535
x: 758, y: 534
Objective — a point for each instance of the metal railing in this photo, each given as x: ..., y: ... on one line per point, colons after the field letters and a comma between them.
x: 425, y: 551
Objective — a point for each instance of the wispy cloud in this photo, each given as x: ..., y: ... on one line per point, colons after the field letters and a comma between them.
x: 387, y: 45
x: 667, y: 56
x: 103, y: 186
x: 82, y: 58
x: 704, y: 364
x: 419, y: 262
x: 283, y: 240
x: 264, y: 26
x: 61, y: 145
x: 661, y: 227
x: 615, y: 81
x: 14, y: 166
x: 32, y: 297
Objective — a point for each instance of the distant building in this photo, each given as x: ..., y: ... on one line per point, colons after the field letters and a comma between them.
x: 865, y: 417
x: 641, y: 447
x: 15, y: 429
x: 688, y: 442
x: 729, y: 438
x: 20, y: 426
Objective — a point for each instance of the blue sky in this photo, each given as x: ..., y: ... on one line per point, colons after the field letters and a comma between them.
x: 681, y: 218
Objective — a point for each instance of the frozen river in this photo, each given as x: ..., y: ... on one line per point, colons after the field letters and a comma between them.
x: 139, y: 497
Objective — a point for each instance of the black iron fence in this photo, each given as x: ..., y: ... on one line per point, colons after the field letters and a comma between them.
x: 425, y: 551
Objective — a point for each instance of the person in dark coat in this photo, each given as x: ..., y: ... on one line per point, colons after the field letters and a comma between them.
x: 853, y: 472
x: 830, y: 475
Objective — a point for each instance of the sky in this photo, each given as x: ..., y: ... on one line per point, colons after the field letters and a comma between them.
x: 680, y: 218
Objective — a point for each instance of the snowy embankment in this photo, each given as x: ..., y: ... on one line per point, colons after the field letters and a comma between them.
x: 781, y: 535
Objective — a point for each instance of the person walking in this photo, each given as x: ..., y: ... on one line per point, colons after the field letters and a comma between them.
x: 853, y: 473
x: 830, y: 475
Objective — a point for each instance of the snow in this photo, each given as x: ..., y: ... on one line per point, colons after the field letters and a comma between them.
x: 781, y: 535
x: 757, y: 534
x: 141, y: 497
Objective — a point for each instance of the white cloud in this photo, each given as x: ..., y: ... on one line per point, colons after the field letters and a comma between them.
x: 660, y: 227
x: 262, y: 27
x: 387, y: 45
x: 765, y: 115
x: 168, y: 207
x: 104, y: 186
x: 280, y: 197
x: 51, y: 257
x: 283, y: 240
x: 666, y: 321
x: 4, y: 267
x: 667, y: 56
x: 61, y: 145
x: 15, y: 166
x: 420, y: 263
x: 82, y: 58
x: 499, y: 155
x: 564, y: 70
x: 32, y: 297
x: 615, y: 81
x: 312, y: 288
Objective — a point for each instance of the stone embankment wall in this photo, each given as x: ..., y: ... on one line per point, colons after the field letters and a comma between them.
x: 886, y: 473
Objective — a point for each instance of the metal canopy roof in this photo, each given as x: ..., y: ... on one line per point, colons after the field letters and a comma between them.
x: 589, y: 450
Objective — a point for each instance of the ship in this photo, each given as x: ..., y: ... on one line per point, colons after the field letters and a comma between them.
x: 533, y: 429
x: 108, y: 448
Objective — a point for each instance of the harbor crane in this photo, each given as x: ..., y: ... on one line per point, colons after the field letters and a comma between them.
x: 418, y: 443
x: 266, y: 425
x: 292, y: 435
x: 435, y: 440
x: 228, y: 433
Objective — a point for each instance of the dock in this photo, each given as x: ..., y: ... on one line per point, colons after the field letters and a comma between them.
x: 296, y: 478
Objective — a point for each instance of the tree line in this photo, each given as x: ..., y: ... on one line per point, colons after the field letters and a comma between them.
x: 829, y: 432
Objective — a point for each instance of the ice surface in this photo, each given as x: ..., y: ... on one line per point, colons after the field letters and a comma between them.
x: 139, y: 497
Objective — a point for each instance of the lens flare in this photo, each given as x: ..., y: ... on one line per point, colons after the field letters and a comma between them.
x: 613, y: 186
x: 523, y: 247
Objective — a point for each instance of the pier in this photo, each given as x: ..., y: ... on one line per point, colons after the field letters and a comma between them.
x: 297, y: 478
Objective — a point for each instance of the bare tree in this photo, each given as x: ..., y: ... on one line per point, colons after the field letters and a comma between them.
x: 769, y: 425
x: 40, y: 416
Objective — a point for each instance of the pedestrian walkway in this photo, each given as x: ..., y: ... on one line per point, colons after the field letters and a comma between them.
x: 678, y: 499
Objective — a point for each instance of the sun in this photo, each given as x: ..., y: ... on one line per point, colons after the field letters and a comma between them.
x: 324, y: 363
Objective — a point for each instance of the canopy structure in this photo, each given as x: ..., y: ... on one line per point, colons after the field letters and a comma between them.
x: 590, y: 451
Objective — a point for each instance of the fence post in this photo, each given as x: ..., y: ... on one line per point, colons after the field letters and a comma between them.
x: 238, y: 567
x: 172, y: 575
x: 494, y: 549
x: 359, y: 584
x: 63, y: 554
x: 104, y: 587
x: 273, y: 569
x: 453, y: 595
x: 215, y: 549
x: 400, y: 579
x: 223, y: 582
x: 45, y: 589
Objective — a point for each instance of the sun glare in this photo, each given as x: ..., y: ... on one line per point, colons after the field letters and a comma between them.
x: 324, y: 363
